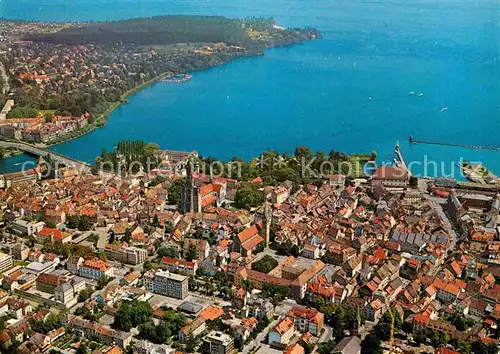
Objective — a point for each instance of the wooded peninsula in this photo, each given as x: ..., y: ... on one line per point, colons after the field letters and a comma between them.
x: 74, y: 69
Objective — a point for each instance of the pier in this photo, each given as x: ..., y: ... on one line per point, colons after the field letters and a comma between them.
x: 477, y: 147
x: 400, y: 161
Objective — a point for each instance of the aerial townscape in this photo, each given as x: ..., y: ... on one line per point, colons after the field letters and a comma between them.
x: 149, y: 250
x: 268, y: 257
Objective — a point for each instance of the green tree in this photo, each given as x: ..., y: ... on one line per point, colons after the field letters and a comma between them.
x: 131, y: 314
x: 459, y: 322
x: 102, y: 282
x: 156, y: 221
x: 82, y: 349
x: 23, y: 112
x: 303, y: 152
x: 265, y: 264
x: 48, y: 117
x: 420, y: 338
x: 84, y: 223
x: 327, y: 347
x: 72, y: 222
x: 248, y: 196
x: 371, y: 345
x: 128, y: 235
x: 191, y: 253
x: 174, y: 191
x: 383, y: 331
x: 168, y: 252
x: 150, y: 148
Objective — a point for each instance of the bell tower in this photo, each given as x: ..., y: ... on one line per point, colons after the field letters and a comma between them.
x: 267, y: 220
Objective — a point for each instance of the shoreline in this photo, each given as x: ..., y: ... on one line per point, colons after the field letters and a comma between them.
x: 100, y: 122
x: 159, y: 56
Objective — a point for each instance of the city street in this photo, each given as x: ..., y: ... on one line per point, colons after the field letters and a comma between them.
x: 437, y: 204
x: 261, y: 337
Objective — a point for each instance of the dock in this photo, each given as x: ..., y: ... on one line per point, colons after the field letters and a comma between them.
x: 476, y: 147
x: 400, y: 161
x: 478, y: 173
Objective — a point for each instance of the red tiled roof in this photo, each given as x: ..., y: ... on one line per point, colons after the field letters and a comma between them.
x: 252, y: 243
x: 294, y: 349
x: 212, y: 313
x: 177, y: 261
x: 310, y: 314
x: 284, y: 326
x: 47, y: 231
x: 391, y: 173
x: 208, y: 200
x: 248, y: 233
x: 422, y: 319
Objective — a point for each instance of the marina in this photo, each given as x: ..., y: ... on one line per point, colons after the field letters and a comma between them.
x: 478, y: 173
x: 400, y: 161
x: 177, y: 79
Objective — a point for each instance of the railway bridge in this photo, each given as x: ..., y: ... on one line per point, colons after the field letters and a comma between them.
x: 39, y: 151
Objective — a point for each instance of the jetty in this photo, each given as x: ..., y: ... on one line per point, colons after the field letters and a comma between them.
x: 477, y: 147
x: 400, y: 161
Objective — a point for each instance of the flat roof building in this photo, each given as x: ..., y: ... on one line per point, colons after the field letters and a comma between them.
x: 6, y: 261
x: 218, y: 343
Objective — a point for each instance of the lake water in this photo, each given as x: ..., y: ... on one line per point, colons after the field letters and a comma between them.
x: 347, y: 92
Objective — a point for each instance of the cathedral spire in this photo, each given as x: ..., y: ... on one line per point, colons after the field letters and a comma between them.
x: 266, y: 223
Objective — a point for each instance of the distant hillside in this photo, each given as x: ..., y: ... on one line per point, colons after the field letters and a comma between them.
x: 158, y: 30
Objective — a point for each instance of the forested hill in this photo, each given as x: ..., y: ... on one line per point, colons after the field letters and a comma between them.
x: 161, y: 30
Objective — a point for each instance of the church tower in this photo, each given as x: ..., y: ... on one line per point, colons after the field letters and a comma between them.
x: 267, y: 220
x: 190, y: 200
x: 357, y: 324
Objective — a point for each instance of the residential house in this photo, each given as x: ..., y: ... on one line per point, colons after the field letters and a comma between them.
x: 307, y: 319
x: 282, y: 332
x: 104, y: 334
x: 178, y: 265
x: 192, y: 329
x: 374, y: 310
x: 310, y: 251
x: 348, y: 345
x: 96, y: 268
x: 247, y: 240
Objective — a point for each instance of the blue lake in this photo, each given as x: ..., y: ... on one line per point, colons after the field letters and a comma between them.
x: 347, y: 92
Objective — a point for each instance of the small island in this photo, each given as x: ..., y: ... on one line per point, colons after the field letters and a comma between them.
x: 61, y: 80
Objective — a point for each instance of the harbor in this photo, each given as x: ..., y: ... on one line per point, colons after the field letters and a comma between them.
x: 476, y: 147
x: 400, y: 161
x: 478, y: 173
x: 177, y: 79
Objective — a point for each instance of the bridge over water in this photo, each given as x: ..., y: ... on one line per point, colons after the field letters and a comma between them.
x: 38, y: 151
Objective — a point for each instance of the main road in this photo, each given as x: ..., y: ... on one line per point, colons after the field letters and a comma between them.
x: 38, y: 151
x: 437, y: 204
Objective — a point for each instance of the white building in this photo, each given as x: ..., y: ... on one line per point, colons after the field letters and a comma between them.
x: 6, y: 261
x: 168, y: 284
x: 24, y: 227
